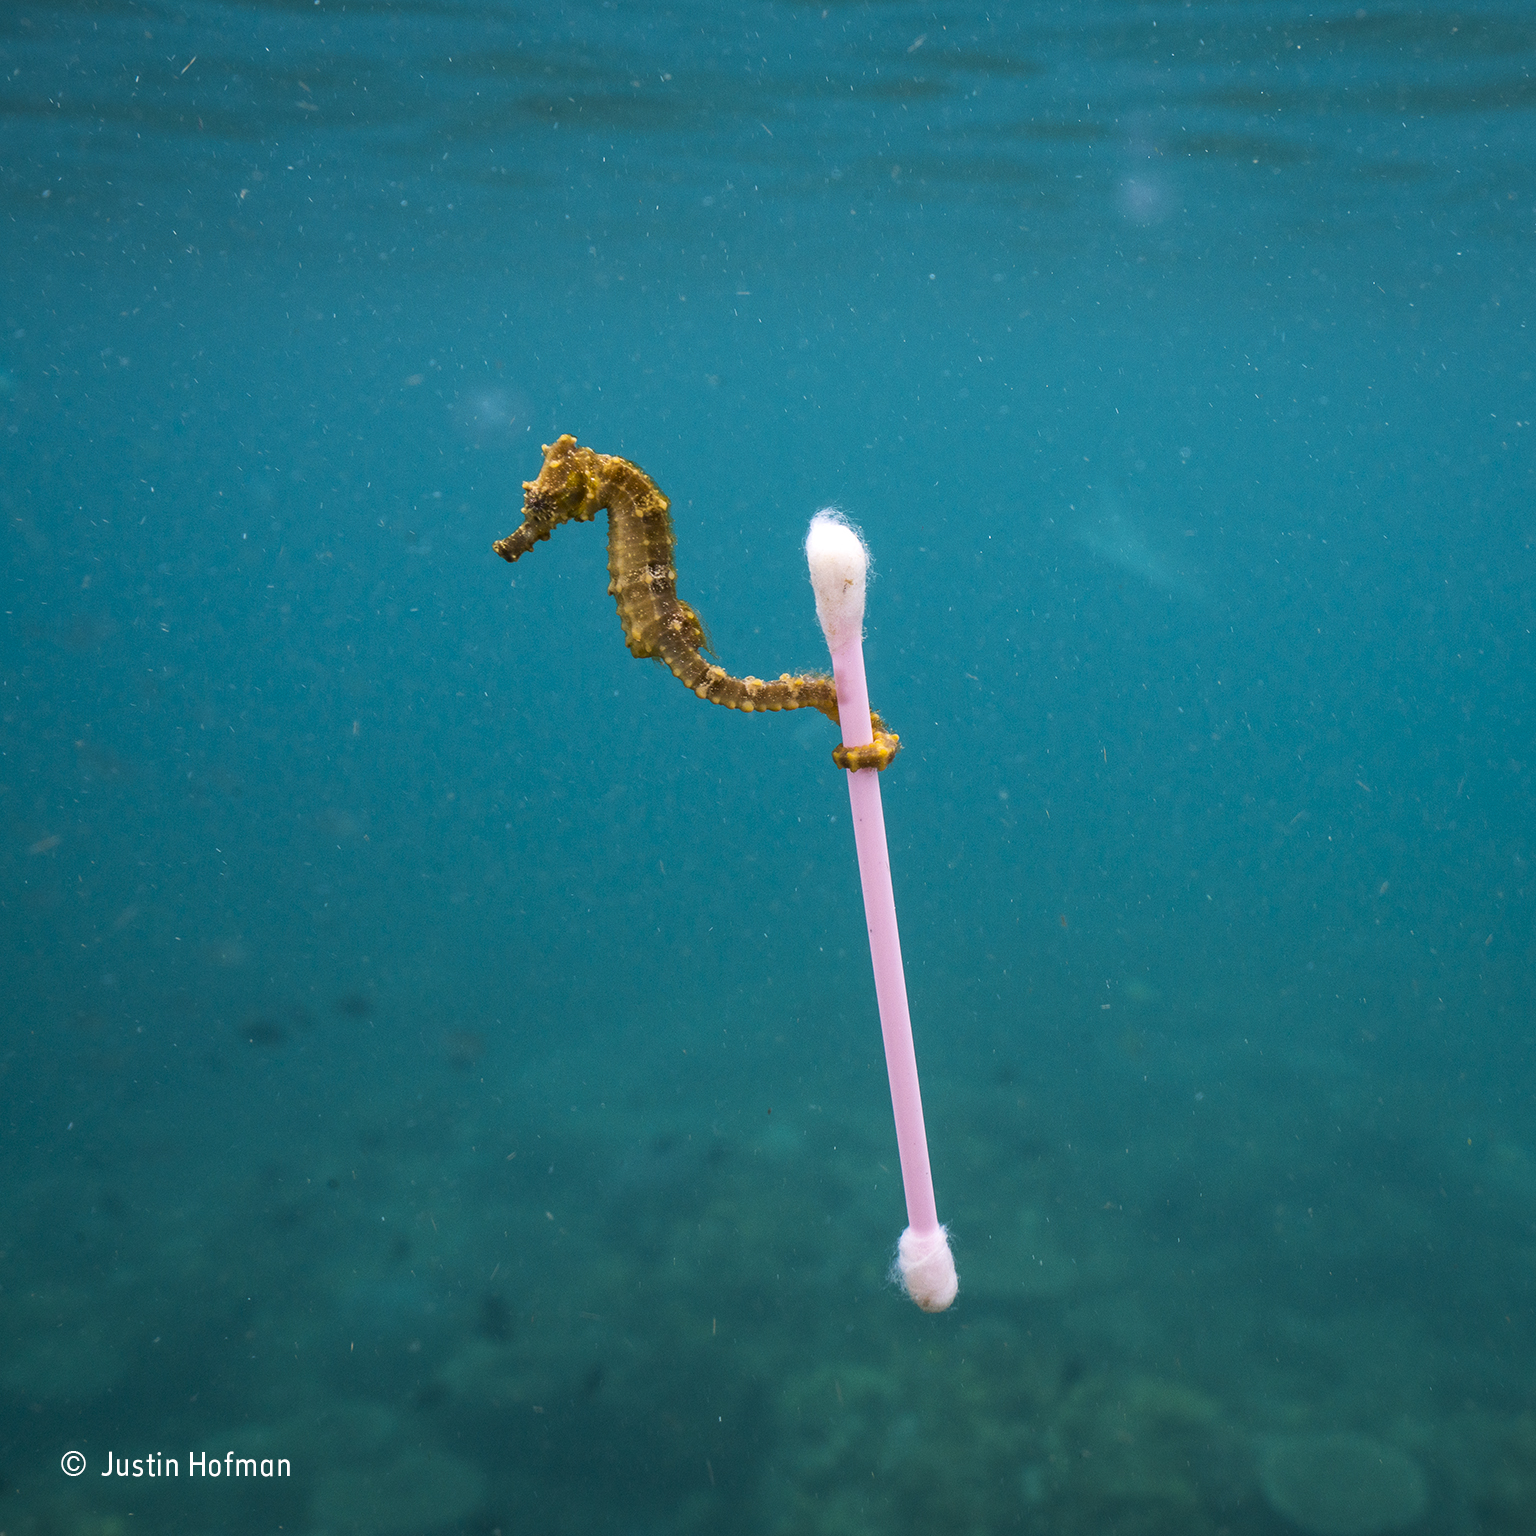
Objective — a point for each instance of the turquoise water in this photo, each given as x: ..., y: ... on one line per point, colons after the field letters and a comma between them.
x: 439, y: 1053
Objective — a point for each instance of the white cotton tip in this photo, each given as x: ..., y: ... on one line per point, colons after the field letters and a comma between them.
x: 839, y: 561
x: 926, y: 1268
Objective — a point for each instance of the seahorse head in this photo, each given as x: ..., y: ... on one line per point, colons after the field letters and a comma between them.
x: 566, y: 490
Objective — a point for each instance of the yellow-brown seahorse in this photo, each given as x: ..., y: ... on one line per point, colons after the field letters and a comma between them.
x: 576, y: 484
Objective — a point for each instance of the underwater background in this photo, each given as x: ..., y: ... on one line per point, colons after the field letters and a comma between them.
x: 440, y: 1053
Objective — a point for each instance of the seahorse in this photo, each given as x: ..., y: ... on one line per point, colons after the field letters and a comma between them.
x: 576, y: 484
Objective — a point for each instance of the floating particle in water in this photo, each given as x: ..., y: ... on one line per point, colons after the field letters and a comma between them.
x: 263, y: 1032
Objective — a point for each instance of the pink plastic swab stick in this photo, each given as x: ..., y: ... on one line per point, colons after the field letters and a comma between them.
x: 839, y: 563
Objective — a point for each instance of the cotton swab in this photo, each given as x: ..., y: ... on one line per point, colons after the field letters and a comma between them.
x: 839, y: 562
